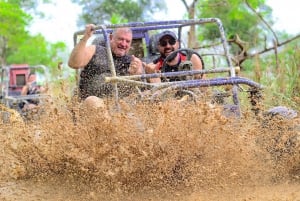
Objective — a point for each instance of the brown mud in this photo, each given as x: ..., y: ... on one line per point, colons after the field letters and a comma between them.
x: 149, y: 151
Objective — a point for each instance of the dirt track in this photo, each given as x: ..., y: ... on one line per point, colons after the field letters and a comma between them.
x: 150, y: 152
x: 28, y: 190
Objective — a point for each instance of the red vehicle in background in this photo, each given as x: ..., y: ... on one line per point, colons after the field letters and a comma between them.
x: 12, y: 80
x: 18, y: 74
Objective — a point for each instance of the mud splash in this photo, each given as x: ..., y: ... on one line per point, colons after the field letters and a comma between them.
x: 148, y: 151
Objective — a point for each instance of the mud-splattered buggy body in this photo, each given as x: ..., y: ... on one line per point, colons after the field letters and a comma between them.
x: 216, y: 59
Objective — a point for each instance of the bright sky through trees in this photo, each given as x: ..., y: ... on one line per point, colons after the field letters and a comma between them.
x: 60, y: 21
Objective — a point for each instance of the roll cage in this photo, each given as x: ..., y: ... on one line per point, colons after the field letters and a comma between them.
x: 144, y: 42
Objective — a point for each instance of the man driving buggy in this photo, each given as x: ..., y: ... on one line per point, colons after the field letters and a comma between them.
x: 93, y: 61
x: 167, y: 44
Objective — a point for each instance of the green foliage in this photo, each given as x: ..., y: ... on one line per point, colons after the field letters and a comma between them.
x: 103, y: 11
x: 36, y: 50
x: 117, y: 19
x: 236, y: 17
x: 282, y: 83
x: 27, y: 5
x: 12, y: 28
x: 17, y: 45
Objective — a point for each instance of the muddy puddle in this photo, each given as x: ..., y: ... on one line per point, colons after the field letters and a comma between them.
x: 149, y: 151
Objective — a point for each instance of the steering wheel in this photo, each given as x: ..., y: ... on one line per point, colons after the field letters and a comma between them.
x: 186, y: 51
x: 183, y: 66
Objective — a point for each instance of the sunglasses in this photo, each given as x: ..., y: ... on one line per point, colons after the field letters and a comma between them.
x: 164, y: 43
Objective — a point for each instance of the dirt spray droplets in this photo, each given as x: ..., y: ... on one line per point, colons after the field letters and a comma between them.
x: 165, y: 148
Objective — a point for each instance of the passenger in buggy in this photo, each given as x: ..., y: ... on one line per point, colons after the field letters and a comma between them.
x: 31, y: 88
x: 167, y: 43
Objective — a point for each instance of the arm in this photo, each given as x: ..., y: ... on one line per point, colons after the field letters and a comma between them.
x: 82, y: 54
x: 25, y: 90
x: 149, y: 69
x: 43, y: 89
x: 197, y: 65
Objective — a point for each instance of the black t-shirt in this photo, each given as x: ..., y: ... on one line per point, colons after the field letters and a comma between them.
x: 92, y: 76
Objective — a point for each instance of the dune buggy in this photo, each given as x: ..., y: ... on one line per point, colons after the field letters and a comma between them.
x: 12, y: 80
x: 216, y: 59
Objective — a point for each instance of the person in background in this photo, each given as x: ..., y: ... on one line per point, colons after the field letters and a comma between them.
x: 31, y: 88
x: 167, y: 43
x: 92, y: 59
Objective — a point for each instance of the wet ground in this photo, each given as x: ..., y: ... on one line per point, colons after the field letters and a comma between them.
x: 150, y: 151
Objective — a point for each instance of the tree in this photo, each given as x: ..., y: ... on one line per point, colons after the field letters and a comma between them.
x: 248, y: 25
x: 36, y: 50
x: 105, y: 11
x: 16, y: 43
x: 11, y: 36
x: 234, y: 14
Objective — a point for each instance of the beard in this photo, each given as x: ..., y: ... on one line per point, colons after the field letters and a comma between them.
x: 167, y: 52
